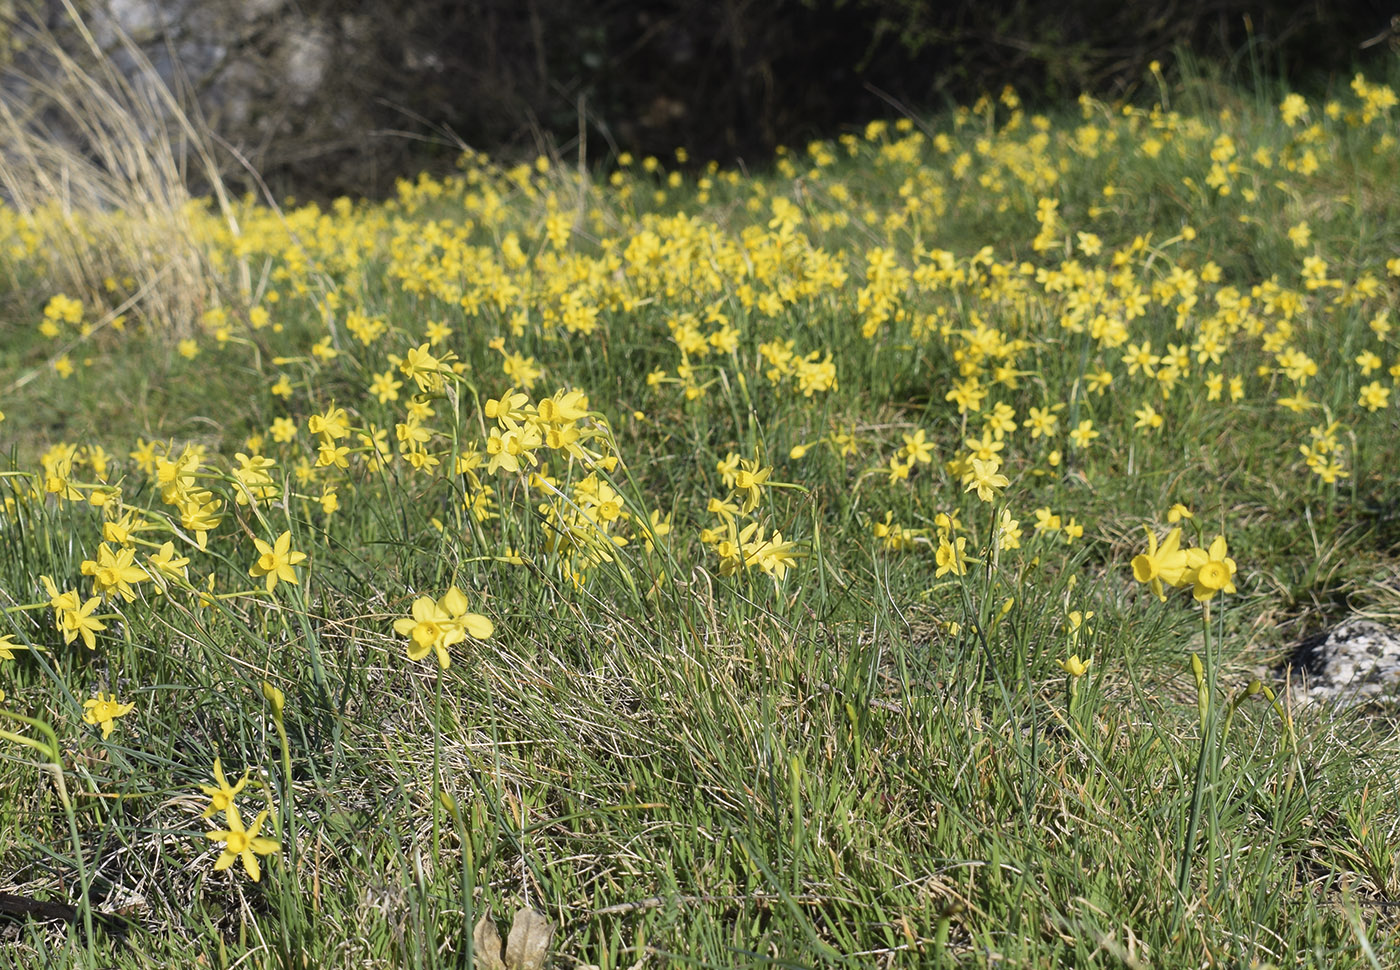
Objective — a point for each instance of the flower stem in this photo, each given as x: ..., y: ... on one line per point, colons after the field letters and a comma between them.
x: 1203, y: 761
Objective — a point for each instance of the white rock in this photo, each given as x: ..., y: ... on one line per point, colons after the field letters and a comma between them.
x: 1355, y: 662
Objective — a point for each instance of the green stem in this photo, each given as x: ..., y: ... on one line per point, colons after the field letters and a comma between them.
x: 27, y: 606
x: 288, y: 796
x: 437, y: 761
x: 53, y: 753
x: 1203, y: 761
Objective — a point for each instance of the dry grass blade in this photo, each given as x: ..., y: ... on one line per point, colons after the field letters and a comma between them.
x: 101, y: 158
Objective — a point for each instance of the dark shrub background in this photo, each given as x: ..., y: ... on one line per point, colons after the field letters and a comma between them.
x: 727, y: 79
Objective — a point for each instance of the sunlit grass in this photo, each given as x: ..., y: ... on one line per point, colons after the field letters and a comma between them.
x: 735, y: 569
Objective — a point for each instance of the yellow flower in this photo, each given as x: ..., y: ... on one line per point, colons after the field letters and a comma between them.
x: 1147, y: 418
x: 1074, y: 666
x: 79, y: 621
x: 245, y: 844
x: 61, y: 602
x: 1210, y: 571
x: 221, y: 793
x: 276, y: 561
x: 425, y: 370
x: 335, y: 423
x: 168, y: 565
x: 951, y: 557
x: 985, y: 476
x: 113, y: 572
x: 8, y: 647
x: 1046, y: 521
x: 1166, y: 563
x: 275, y: 699
x: 1042, y: 422
x: 104, y: 712
x: 1077, y: 619
x: 750, y: 479
x: 1082, y: 435
x: 385, y: 388
x: 1008, y: 532
x: 917, y: 449
x: 660, y: 527
x: 438, y: 624
x: 1374, y: 396
x: 474, y: 625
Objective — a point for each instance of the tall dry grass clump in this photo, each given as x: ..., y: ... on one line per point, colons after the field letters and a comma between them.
x: 98, y: 163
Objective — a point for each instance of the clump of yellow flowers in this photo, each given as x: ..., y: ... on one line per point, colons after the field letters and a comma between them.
x: 437, y: 624
x: 240, y: 843
x: 1207, y: 571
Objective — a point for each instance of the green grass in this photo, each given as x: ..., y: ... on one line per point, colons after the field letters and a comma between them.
x: 858, y: 762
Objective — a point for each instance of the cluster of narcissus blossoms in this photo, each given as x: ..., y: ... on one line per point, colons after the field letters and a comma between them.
x: 1206, y: 571
x: 738, y: 539
x: 240, y: 843
x: 475, y: 352
x: 540, y: 264
x: 437, y: 624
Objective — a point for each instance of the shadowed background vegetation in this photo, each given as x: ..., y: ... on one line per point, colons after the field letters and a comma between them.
x: 325, y: 97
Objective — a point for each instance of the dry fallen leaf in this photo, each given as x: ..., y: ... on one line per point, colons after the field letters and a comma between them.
x: 528, y: 944
x: 487, y: 943
x: 527, y: 947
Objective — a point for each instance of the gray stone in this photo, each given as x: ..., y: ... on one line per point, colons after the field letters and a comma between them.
x: 280, y: 84
x: 1355, y: 662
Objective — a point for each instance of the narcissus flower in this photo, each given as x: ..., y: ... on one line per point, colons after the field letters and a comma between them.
x: 104, y: 712
x: 438, y: 624
x: 8, y: 647
x: 473, y: 625
x: 79, y: 621
x: 749, y: 478
x: 333, y: 424
x: 221, y: 793
x: 429, y: 628
x: 951, y: 557
x: 241, y: 843
x: 1074, y: 666
x: 168, y: 566
x: 986, y: 477
x: 1161, y: 564
x: 276, y: 561
x: 1210, y: 571
x: 113, y: 573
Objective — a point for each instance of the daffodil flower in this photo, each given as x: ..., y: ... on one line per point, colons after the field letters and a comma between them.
x: 79, y: 621
x: 113, y: 573
x: 1074, y: 666
x: 951, y: 557
x: 276, y: 561
x: 986, y: 477
x: 1161, y: 564
x: 241, y: 843
x: 438, y: 624
x: 104, y: 712
x: 1210, y: 571
x: 8, y: 647
x: 221, y: 793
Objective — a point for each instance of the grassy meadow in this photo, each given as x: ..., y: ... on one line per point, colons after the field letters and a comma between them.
x: 885, y: 559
